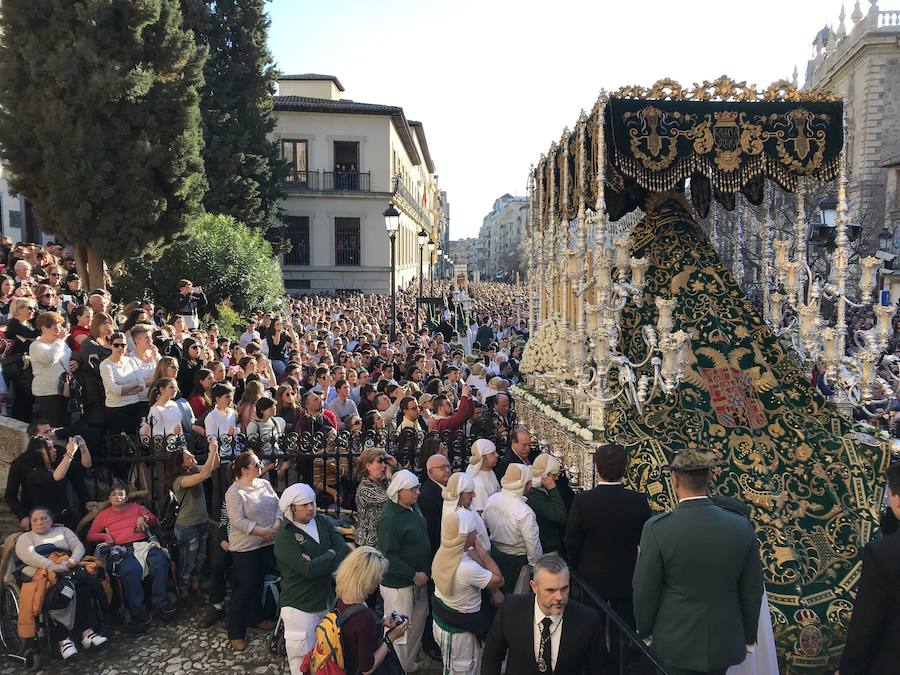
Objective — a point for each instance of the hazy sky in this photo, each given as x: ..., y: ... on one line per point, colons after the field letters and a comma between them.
x: 495, y: 81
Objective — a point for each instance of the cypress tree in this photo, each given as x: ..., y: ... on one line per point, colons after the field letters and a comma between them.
x: 243, y: 165
x: 100, y: 121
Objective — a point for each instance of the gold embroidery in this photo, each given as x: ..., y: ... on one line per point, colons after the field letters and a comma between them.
x: 724, y: 89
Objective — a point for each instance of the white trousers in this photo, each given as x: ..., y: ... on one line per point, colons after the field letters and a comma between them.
x: 459, y: 651
x: 299, y: 634
x: 411, y: 601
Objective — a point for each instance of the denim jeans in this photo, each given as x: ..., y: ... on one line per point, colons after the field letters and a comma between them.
x: 249, y: 569
x: 130, y: 573
x: 192, y: 542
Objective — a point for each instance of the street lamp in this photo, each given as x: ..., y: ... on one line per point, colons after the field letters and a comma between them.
x: 440, y: 252
x: 423, y: 237
x: 392, y: 224
x: 431, y: 266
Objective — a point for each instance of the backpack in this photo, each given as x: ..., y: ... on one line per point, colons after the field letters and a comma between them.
x: 327, y: 657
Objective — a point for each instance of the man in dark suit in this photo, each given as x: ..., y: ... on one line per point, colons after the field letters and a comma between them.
x: 520, y: 451
x: 873, y: 641
x: 698, y: 579
x: 603, y: 533
x: 545, y: 632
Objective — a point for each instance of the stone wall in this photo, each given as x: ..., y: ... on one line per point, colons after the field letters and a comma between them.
x: 13, y: 439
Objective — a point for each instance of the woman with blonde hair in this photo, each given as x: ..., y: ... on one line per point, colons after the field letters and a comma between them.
x: 366, y: 645
x: 99, y: 343
x: 253, y: 391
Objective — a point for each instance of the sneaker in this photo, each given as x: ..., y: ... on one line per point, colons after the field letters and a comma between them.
x: 92, y: 639
x: 168, y: 610
x: 67, y: 649
x: 212, y: 616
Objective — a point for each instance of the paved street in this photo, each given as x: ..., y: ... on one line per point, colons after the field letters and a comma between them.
x: 178, y: 647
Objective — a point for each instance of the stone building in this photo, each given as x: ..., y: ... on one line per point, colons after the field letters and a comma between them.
x: 349, y: 160
x: 498, y: 248
x: 862, y: 64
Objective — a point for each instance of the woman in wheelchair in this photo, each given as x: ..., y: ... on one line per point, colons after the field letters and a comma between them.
x: 127, y: 525
x: 34, y: 549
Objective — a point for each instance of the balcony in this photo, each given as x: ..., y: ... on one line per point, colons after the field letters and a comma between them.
x: 327, y: 181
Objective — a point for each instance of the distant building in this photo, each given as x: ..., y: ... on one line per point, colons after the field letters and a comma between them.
x: 349, y: 160
x: 863, y: 67
x: 462, y: 252
x: 498, y: 247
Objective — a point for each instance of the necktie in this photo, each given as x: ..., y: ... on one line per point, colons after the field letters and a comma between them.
x: 545, y: 657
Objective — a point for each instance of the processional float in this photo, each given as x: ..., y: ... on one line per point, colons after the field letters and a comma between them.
x: 645, y: 338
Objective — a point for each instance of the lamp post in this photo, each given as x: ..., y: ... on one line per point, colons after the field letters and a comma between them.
x: 431, y: 267
x: 440, y: 252
x: 423, y: 237
x: 392, y: 224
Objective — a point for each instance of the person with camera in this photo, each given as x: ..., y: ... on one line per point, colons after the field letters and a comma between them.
x: 366, y: 638
x: 57, y: 549
x: 308, y: 550
x: 128, y: 527
x: 188, y: 303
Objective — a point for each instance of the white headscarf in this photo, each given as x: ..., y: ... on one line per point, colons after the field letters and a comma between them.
x: 402, y: 480
x: 455, y: 528
x: 480, y: 448
x: 543, y: 465
x: 299, y: 493
x: 516, y: 478
x: 458, y: 483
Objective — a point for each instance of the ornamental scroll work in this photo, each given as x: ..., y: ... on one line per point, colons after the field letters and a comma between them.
x: 658, y: 144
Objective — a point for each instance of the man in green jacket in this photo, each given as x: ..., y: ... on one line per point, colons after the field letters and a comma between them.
x: 308, y: 549
x: 698, y: 579
x: 403, y: 538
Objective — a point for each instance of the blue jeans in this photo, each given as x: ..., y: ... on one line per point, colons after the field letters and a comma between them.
x: 192, y: 542
x: 130, y: 573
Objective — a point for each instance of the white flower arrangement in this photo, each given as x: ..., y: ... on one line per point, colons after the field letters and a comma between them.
x: 542, y: 353
x: 569, y: 425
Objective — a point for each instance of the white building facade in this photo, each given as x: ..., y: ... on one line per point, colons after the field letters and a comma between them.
x: 349, y: 161
x: 498, y: 248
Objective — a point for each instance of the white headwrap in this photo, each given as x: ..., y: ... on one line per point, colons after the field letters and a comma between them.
x: 480, y: 448
x: 543, y: 465
x: 299, y: 493
x: 402, y: 480
x: 458, y: 483
x: 516, y: 478
x: 455, y: 528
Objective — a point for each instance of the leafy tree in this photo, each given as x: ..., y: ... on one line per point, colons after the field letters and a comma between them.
x: 243, y: 165
x: 230, y: 260
x: 100, y: 122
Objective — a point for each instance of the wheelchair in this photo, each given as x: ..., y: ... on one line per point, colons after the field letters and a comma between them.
x: 27, y: 651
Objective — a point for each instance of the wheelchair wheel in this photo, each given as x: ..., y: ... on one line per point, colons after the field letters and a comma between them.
x: 33, y: 659
x: 9, y: 618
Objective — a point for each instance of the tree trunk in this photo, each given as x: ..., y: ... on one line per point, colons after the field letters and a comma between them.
x: 80, y: 255
x: 97, y: 270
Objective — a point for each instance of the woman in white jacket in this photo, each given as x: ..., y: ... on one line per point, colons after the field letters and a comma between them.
x: 123, y: 382
x: 50, y: 358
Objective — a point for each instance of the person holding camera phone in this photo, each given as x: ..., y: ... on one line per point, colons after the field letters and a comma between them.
x: 188, y: 303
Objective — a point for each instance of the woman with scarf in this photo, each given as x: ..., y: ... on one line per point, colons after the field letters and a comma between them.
x: 403, y: 538
x: 462, y: 570
x: 459, y: 493
x: 308, y: 550
x: 515, y: 539
x: 545, y: 499
x: 482, y: 461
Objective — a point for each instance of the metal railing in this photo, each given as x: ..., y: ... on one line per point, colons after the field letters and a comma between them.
x: 624, y: 651
x: 301, y: 180
x: 401, y: 190
x: 348, y: 181
x: 323, y: 458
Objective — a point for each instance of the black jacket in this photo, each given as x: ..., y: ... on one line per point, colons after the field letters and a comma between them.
x: 510, y: 457
x: 190, y: 304
x: 602, y: 538
x: 431, y: 504
x: 512, y: 634
x: 873, y: 640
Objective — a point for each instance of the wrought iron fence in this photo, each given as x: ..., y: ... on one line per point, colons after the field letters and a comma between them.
x: 353, y: 181
x: 325, y: 459
x: 301, y: 180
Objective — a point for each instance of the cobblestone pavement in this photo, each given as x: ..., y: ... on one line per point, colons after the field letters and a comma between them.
x: 177, y: 647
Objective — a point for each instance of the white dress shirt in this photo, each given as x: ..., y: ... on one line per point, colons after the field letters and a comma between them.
x: 513, y: 525
x: 555, y: 633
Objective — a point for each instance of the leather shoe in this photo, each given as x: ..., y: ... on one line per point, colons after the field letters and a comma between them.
x: 433, y: 651
x: 237, y: 645
x: 265, y: 625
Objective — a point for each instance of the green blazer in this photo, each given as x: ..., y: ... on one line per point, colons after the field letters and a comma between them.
x: 307, y: 584
x: 698, y: 585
